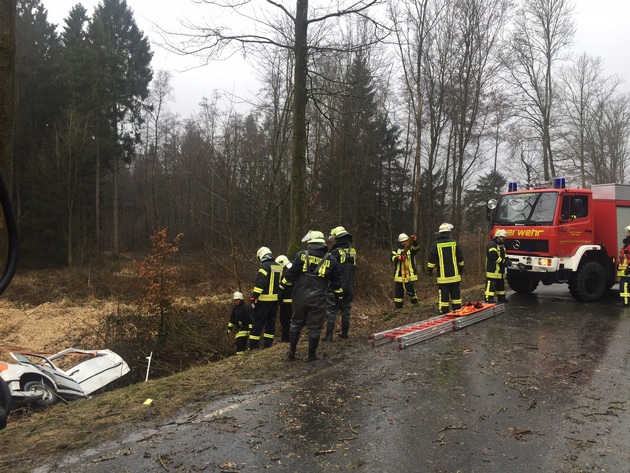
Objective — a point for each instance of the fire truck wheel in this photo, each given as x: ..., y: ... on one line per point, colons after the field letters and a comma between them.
x: 588, y: 283
x: 523, y: 283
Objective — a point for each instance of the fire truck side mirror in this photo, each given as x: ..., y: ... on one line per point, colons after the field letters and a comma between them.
x: 490, y: 206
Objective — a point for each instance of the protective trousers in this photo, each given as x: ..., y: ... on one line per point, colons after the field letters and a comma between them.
x: 285, y: 320
x: 399, y: 293
x: 345, y: 307
x: 264, y: 319
x: 449, y: 292
x: 495, y: 286
x: 624, y: 290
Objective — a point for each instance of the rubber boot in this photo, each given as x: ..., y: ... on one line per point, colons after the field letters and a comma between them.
x: 345, y: 327
x: 330, y: 327
x: 293, y: 341
x: 313, y: 342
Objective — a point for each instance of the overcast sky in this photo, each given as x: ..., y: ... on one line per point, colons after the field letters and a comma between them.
x: 603, y: 29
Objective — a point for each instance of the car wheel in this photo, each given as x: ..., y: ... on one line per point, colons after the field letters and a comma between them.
x: 49, y: 397
x: 3, y: 419
x: 5, y: 397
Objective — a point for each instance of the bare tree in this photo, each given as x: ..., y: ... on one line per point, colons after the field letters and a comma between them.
x: 265, y: 24
x: 542, y: 31
x: 584, y: 87
x: 607, y: 140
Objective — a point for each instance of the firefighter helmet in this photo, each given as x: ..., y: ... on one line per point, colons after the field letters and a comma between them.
x: 500, y: 233
x: 314, y: 236
x: 262, y: 252
x: 627, y: 228
x: 338, y: 232
x: 403, y: 237
x: 445, y: 228
x: 237, y: 295
x: 282, y: 260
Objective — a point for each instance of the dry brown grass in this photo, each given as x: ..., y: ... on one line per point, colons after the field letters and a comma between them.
x: 51, y: 310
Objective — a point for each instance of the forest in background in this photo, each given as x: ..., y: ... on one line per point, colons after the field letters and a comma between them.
x: 416, y: 113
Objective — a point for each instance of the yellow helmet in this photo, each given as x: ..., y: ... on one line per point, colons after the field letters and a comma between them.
x: 445, y: 228
x: 500, y: 233
x: 313, y: 236
x: 282, y: 260
x: 338, y: 232
x: 262, y: 252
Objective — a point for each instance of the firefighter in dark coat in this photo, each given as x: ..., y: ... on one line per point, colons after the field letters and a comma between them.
x: 496, y: 262
x: 446, y: 257
x: 623, y: 271
x: 310, y: 273
x: 405, y: 273
x: 264, y: 299
x: 346, y: 256
x: 241, y: 320
x: 285, y: 299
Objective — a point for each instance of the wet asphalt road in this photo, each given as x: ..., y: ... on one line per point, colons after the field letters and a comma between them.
x: 544, y: 387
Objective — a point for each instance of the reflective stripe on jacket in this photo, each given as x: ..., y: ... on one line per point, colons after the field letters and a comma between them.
x: 405, y: 271
x: 448, y: 258
x: 267, y: 281
x: 495, y: 260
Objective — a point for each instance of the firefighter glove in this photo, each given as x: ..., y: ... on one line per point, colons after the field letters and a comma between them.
x: 401, y: 257
x: 253, y: 301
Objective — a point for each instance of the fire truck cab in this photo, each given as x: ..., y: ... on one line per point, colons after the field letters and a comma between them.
x: 560, y: 235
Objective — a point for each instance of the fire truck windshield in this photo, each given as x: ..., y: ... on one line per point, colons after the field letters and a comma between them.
x: 532, y: 208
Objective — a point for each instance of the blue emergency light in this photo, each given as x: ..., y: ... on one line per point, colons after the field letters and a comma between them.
x: 512, y: 186
x: 559, y: 183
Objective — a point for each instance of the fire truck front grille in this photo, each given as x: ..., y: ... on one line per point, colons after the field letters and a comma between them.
x: 529, y: 246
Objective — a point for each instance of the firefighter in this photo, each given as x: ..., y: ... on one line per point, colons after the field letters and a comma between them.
x: 264, y: 299
x: 496, y: 263
x: 447, y: 258
x: 241, y: 319
x: 405, y: 273
x: 346, y: 256
x: 310, y: 273
x: 284, y: 298
x: 623, y: 271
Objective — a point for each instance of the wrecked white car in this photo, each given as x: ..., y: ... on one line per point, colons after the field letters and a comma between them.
x: 43, y: 380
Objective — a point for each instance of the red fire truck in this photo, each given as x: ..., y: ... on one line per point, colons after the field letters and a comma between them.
x: 560, y: 235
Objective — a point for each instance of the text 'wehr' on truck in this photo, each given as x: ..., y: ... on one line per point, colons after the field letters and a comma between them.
x: 560, y: 235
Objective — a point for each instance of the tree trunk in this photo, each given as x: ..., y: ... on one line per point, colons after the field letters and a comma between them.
x: 298, y: 168
x: 7, y: 85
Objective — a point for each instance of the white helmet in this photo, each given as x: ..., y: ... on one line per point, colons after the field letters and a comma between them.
x: 282, y: 260
x: 237, y: 295
x: 262, y: 252
x: 338, y: 232
x: 445, y: 228
x: 403, y: 237
x: 500, y: 233
x: 627, y: 228
x: 313, y: 236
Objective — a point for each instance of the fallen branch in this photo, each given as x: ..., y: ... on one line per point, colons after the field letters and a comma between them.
x: 453, y: 427
x: 325, y: 452
x: 162, y: 462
